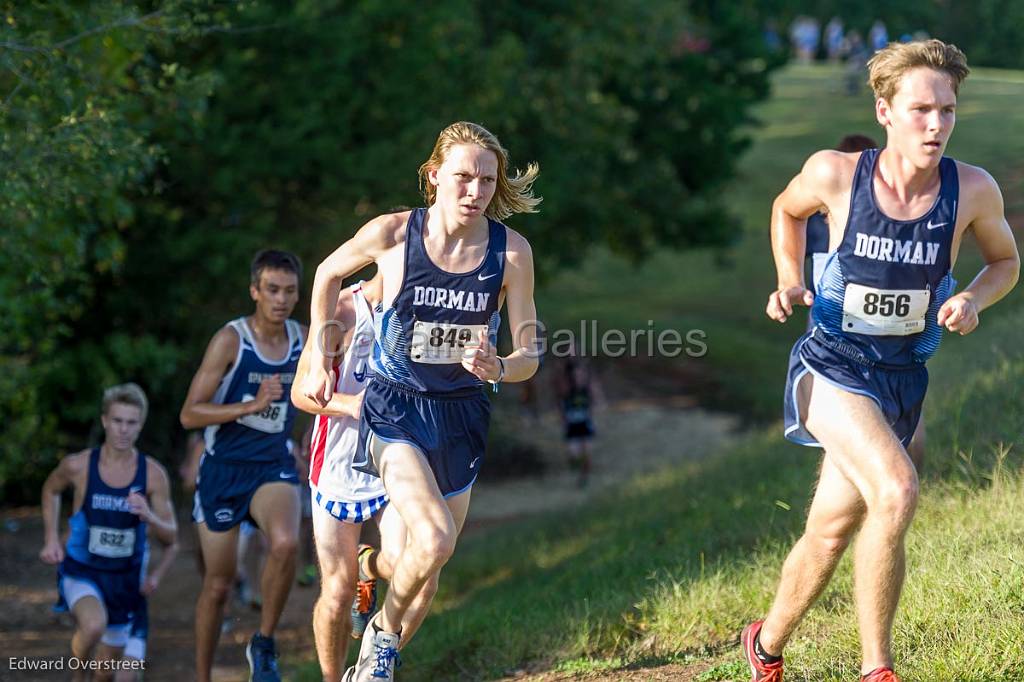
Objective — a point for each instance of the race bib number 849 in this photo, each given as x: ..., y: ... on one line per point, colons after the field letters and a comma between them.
x: 443, y: 343
x: 884, y: 312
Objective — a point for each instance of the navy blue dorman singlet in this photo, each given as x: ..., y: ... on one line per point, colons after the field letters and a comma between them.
x: 881, y: 290
x: 421, y: 338
x: 261, y: 437
x: 105, y: 534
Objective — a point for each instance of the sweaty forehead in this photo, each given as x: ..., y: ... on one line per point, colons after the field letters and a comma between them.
x: 472, y: 158
x: 924, y: 84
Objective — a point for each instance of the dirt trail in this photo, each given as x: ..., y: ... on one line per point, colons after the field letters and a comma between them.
x: 27, y: 587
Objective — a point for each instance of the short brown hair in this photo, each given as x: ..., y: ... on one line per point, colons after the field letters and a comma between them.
x: 126, y: 394
x: 511, y: 195
x: 887, y: 67
x: 272, y: 259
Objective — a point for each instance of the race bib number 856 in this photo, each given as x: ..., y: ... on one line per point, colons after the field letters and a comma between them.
x: 884, y: 312
x: 443, y: 343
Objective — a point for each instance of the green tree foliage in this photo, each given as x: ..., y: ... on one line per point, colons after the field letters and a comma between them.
x: 192, y: 136
x: 79, y: 94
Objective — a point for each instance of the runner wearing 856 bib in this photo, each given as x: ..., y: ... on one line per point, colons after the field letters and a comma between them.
x: 239, y: 395
x: 446, y: 271
x: 857, y: 379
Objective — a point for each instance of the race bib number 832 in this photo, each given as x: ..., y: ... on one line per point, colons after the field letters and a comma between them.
x: 113, y: 543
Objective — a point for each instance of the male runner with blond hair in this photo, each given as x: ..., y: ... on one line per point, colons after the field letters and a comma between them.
x: 447, y: 270
x: 858, y: 378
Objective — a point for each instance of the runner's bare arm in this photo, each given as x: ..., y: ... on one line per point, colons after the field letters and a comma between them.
x: 998, y: 248
x: 156, y: 574
x: 59, y: 480
x: 807, y: 193
x: 522, y: 363
x: 371, y: 241
x: 517, y: 287
x: 159, y: 516
x: 198, y: 411
x: 340, y: 404
x: 157, y: 511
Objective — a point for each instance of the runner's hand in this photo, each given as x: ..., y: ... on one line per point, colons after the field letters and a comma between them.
x: 149, y: 585
x: 480, y: 360
x: 52, y: 552
x: 138, y: 505
x: 318, y: 385
x: 781, y: 302
x: 270, y: 390
x: 959, y: 314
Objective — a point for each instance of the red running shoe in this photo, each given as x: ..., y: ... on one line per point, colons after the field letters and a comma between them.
x: 761, y: 672
x: 880, y: 675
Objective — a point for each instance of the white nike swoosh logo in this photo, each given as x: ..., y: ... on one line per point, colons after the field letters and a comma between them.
x: 931, y: 226
x: 473, y: 463
x: 284, y: 475
x: 482, y: 278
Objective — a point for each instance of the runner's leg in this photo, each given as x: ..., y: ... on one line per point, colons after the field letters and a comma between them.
x: 275, y: 508
x: 336, y: 543
x: 219, y: 555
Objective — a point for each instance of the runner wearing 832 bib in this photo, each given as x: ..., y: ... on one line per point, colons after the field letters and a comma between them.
x: 104, y: 578
x: 857, y: 379
x: 239, y: 396
x: 446, y: 272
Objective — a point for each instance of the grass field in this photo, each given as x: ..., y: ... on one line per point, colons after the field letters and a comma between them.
x: 670, y: 567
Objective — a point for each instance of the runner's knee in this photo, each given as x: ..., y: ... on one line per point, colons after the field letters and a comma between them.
x: 218, y: 587
x: 897, y: 499
x: 93, y: 627
x: 435, y: 545
x: 283, y: 546
x: 828, y: 542
x: 336, y: 595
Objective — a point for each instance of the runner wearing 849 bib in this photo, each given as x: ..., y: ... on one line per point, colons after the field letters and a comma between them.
x: 857, y: 379
x: 446, y: 272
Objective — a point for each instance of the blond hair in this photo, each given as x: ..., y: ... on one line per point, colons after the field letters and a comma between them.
x: 512, y: 194
x: 889, y: 64
x: 126, y: 394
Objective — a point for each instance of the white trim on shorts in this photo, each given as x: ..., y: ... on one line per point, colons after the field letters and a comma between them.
x: 135, y: 648
x: 348, y: 512
x: 799, y: 425
x: 75, y: 589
